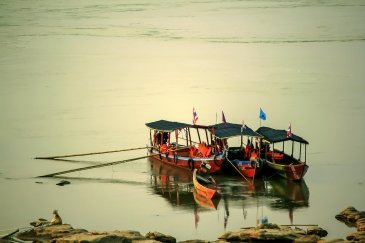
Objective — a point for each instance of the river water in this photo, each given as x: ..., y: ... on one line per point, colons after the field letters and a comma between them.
x: 85, y: 76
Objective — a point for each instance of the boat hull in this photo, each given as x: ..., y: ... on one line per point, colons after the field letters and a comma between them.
x: 204, y: 190
x: 249, y: 169
x: 294, y: 171
x: 189, y: 163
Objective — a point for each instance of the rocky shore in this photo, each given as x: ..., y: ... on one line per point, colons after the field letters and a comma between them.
x: 44, y: 232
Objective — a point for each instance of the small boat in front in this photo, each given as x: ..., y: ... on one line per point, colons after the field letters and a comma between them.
x: 277, y: 160
x: 204, y: 186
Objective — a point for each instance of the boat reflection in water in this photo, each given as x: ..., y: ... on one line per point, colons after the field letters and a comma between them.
x: 176, y: 185
x: 287, y: 195
x: 276, y: 194
x: 205, y: 202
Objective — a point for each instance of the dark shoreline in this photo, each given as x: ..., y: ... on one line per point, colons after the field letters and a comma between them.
x: 44, y: 232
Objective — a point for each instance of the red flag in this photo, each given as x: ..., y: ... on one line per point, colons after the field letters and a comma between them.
x: 223, y: 118
x: 195, y: 116
x: 288, y: 132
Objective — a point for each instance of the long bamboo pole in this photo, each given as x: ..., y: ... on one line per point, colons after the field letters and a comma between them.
x: 93, y: 153
x: 238, y: 171
x: 95, y: 166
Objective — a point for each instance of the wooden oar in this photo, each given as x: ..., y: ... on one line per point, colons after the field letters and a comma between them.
x: 96, y: 166
x: 93, y: 153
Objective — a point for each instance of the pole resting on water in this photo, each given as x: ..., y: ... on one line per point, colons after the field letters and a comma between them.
x: 239, y: 171
x: 92, y: 153
x: 95, y: 166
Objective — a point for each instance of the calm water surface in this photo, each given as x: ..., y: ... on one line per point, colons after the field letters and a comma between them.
x: 86, y: 76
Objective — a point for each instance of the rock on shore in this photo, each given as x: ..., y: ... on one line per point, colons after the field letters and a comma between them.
x: 354, y: 218
x: 48, y: 233
x: 64, y: 233
x: 274, y: 233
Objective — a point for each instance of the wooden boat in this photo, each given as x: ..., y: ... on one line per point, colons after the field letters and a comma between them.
x: 198, y: 150
x: 280, y: 162
x: 204, y: 187
x: 243, y: 159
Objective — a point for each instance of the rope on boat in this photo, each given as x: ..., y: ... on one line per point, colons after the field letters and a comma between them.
x: 96, y: 166
x: 92, y: 153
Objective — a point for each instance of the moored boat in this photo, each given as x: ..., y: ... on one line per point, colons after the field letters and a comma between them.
x: 196, y: 150
x: 204, y: 186
x: 244, y: 159
x: 278, y: 160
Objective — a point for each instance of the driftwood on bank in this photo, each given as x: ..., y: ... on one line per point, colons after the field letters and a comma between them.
x: 9, y: 234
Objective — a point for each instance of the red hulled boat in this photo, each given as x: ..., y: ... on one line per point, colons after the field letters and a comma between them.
x: 286, y: 165
x: 173, y: 143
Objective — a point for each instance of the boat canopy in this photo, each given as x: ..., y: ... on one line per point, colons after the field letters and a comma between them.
x: 274, y: 135
x: 166, y: 126
x: 227, y: 130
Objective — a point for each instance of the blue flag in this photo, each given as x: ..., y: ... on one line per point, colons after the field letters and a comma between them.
x: 262, y: 115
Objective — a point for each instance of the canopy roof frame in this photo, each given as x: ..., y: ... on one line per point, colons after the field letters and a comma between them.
x: 166, y: 126
x: 272, y: 135
x: 229, y: 130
